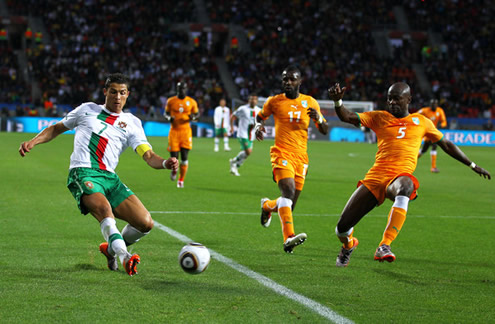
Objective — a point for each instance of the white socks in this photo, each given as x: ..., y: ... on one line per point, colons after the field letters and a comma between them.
x: 116, y: 244
x: 240, y: 158
x: 131, y: 235
x: 401, y: 202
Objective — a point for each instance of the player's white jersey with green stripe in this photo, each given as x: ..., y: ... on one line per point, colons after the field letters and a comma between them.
x: 101, y: 136
x: 246, y: 120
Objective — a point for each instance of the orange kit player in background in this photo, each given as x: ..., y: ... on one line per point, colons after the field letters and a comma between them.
x: 436, y: 115
x: 180, y: 110
x: 292, y: 112
x: 399, y: 136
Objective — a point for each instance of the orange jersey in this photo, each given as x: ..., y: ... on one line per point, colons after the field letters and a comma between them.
x: 437, y: 116
x: 291, y: 120
x: 180, y: 109
x: 399, y: 139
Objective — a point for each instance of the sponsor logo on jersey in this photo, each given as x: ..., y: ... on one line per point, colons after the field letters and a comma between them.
x: 293, y: 107
x: 304, y: 103
x: 89, y: 184
x: 415, y: 120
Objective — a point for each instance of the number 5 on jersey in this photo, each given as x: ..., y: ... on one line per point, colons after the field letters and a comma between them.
x: 402, y: 132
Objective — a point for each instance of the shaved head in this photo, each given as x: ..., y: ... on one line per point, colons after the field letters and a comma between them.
x: 400, y: 88
x: 398, y: 99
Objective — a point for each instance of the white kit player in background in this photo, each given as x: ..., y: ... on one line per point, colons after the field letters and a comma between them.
x: 102, y: 133
x: 221, y: 119
x: 246, y: 117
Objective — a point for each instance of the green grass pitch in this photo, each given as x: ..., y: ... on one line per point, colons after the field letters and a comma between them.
x: 51, y: 270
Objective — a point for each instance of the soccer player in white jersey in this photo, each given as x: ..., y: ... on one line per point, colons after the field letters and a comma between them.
x: 103, y: 132
x: 221, y: 119
x: 246, y: 118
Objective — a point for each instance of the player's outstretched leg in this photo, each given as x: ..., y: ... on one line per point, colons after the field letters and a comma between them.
x: 294, y: 240
x: 111, y: 260
x: 345, y: 254
x: 384, y: 253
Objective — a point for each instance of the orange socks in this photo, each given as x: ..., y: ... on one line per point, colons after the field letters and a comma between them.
x: 433, y: 155
x: 396, y: 219
x: 270, y: 205
x: 346, y: 238
x: 284, y: 208
x: 182, y: 171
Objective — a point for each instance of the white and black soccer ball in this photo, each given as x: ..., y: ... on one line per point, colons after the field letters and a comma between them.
x: 194, y: 258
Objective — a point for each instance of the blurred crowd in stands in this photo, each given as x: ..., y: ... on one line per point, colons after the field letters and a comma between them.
x: 330, y: 43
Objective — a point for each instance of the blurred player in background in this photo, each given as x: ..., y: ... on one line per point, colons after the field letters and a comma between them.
x: 103, y: 132
x: 246, y: 119
x: 180, y: 111
x: 221, y: 119
x: 292, y: 112
x: 437, y: 116
x: 399, y: 136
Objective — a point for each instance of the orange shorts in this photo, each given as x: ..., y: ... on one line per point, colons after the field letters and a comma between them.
x: 179, y: 138
x: 378, y: 182
x: 287, y: 164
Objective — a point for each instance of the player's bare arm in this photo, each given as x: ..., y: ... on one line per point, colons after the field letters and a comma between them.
x: 336, y: 93
x: 157, y: 162
x: 259, y: 128
x: 44, y: 136
x: 455, y: 152
x: 320, y: 123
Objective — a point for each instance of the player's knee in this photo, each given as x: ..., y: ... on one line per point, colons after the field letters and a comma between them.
x: 404, y: 186
x: 145, y: 225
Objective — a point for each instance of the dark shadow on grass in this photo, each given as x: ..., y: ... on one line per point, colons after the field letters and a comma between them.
x: 401, y: 277
x: 86, y: 267
x: 467, y: 264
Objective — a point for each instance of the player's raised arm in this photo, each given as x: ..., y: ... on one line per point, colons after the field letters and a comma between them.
x: 44, y: 136
x: 455, y: 152
x: 336, y: 94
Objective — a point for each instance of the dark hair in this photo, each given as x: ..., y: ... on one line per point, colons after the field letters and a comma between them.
x: 118, y: 78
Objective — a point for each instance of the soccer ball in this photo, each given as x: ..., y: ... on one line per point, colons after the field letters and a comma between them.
x: 194, y: 258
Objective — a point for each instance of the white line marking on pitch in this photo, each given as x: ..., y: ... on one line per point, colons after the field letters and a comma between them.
x: 265, y: 281
x: 315, y: 215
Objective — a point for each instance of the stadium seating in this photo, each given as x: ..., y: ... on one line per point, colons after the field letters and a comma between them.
x: 329, y: 43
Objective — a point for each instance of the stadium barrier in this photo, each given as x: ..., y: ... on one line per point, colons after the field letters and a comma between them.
x: 200, y: 129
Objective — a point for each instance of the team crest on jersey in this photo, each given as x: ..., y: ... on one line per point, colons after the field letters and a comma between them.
x: 187, y: 103
x: 122, y: 124
x: 284, y: 162
x: 304, y: 103
x: 89, y: 184
x: 415, y: 120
